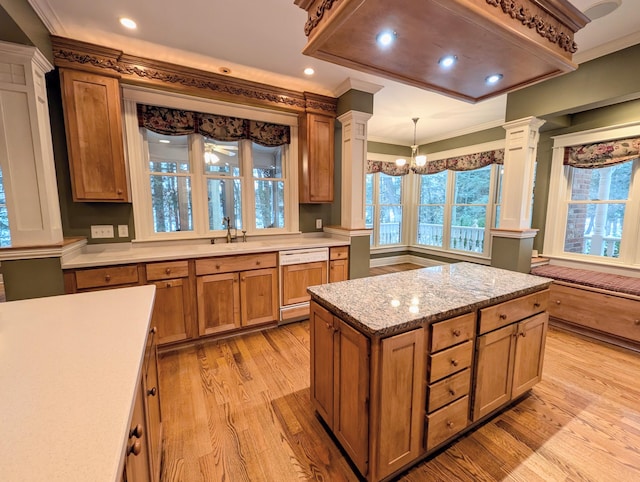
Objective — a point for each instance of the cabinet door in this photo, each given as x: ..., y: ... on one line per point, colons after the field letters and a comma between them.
x: 316, y: 173
x: 529, y: 354
x: 322, y: 348
x: 259, y: 296
x: 338, y: 270
x: 296, y: 278
x: 137, y: 467
x: 351, y: 393
x: 494, y: 369
x: 93, y: 121
x: 218, y: 303
x: 172, y: 310
x: 151, y: 390
x: 402, y: 401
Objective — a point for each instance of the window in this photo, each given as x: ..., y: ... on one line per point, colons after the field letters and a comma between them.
x: 456, y: 208
x: 383, y: 208
x: 186, y: 183
x: 592, y: 212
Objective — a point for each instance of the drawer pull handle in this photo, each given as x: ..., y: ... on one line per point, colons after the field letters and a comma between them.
x: 452, y: 392
x: 119, y: 192
x: 153, y: 330
x: 454, y: 362
x: 557, y: 302
x: 536, y: 305
x: 167, y: 271
x: 503, y: 316
x: 329, y: 326
x: 523, y: 334
x: 136, y: 431
x: 135, y: 448
x: 168, y: 285
x: 152, y: 392
x: 450, y: 424
x: 456, y: 332
x: 107, y: 277
x: 636, y: 322
x: 217, y: 266
x: 258, y: 263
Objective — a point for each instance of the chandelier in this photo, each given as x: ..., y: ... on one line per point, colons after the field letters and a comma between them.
x: 416, y: 158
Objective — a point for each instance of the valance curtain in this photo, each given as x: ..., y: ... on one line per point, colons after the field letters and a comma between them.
x: 459, y: 163
x: 602, y: 154
x: 176, y: 122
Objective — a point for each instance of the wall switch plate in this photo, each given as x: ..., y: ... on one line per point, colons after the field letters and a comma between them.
x: 318, y: 223
x: 123, y: 230
x: 102, y: 231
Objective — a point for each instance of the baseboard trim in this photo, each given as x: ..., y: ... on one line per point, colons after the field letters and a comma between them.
x: 405, y: 258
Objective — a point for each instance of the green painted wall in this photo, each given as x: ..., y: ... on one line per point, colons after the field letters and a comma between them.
x: 512, y: 254
x: 487, y: 135
x: 355, y: 100
x: 359, y: 257
x: 388, y: 149
x: 32, y: 278
x: 18, y: 14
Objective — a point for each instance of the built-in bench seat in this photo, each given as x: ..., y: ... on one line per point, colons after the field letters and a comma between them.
x: 603, y: 305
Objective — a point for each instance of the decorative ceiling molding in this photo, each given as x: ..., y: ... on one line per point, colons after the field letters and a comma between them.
x: 141, y: 71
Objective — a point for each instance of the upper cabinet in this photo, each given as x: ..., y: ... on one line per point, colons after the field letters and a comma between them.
x: 316, y: 151
x: 93, y: 122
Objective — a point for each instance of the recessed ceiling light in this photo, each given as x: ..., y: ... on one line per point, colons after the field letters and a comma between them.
x: 493, y: 79
x: 127, y: 22
x: 447, y: 61
x: 386, y: 38
x: 164, y: 141
x: 309, y: 71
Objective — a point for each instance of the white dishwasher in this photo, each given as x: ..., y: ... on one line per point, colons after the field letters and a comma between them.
x: 299, y: 269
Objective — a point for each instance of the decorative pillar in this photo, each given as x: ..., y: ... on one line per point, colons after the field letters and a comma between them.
x: 512, y: 242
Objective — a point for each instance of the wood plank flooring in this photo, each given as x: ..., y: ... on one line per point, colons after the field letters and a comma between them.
x: 239, y: 410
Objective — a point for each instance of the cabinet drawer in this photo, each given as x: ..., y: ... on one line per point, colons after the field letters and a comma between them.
x: 167, y: 270
x: 451, y: 332
x: 103, y: 277
x: 447, y: 422
x: 606, y: 313
x: 227, y: 264
x: 450, y: 361
x: 339, y: 252
x: 447, y: 390
x: 509, y: 312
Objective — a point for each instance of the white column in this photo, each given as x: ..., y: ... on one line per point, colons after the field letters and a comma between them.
x: 521, y: 144
x: 354, y: 158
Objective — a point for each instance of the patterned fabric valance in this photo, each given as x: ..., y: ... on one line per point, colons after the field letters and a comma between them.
x: 175, y: 122
x: 602, y: 154
x: 386, y: 167
x: 462, y: 163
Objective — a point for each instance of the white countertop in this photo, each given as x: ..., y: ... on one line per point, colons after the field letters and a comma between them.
x: 69, y: 369
x: 121, y: 253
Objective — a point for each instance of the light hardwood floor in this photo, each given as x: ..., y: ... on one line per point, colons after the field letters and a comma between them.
x: 239, y: 410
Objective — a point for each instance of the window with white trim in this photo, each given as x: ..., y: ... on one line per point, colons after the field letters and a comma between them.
x: 384, y: 208
x: 188, y: 184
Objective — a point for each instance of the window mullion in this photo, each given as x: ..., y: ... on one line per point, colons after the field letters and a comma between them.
x: 247, y: 187
x: 198, y: 185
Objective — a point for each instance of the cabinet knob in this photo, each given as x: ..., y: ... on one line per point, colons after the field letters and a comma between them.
x: 153, y: 330
x: 454, y: 363
x: 557, y: 302
x: 456, y: 332
x: 168, y: 285
x: 503, y: 316
x: 536, y: 304
x: 452, y: 392
x: 636, y: 322
x: 329, y: 326
x: 217, y: 266
x: 107, y: 277
x: 523, y: 334
x: 450, y: 424
x: 135, y: 448
x: 258, y: 263
x: 152, y: 392
x: 167, y: 271
x: 119, y: 191
x: 136, y: 431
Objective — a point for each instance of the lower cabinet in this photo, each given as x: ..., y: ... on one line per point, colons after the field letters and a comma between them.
x: 340, y: 382
x: 338, y: 264
x: 144, y: 446
x: 509, y: 362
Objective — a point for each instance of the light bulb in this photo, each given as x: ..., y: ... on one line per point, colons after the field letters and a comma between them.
x: 421, y: 160
x: 401, y: 162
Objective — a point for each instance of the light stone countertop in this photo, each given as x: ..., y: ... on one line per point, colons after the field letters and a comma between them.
x: 393, y: 303
x: 122, y: 253
x: 69, y: 369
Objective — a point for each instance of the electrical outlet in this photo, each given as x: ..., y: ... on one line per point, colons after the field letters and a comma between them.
x: 319, y: 223
x: 102, y: 231
x: 123, y: 230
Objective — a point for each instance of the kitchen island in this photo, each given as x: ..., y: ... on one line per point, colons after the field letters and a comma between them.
x: 70, y: 370
x: 402, y: 364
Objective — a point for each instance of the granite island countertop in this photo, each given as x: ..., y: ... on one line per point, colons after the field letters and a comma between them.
x: 392, y: 303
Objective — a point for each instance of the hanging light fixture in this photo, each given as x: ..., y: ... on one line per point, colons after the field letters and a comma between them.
x: 416, y: 158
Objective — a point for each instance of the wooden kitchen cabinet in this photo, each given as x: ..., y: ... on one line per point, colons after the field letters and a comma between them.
x: 509, y: 362
x: 316, y: 158
x: 93, y: 122
x: 172, y: 312
x: 340, y: 382
x: 243, y: 292
x: 296, y: 278
x: 338, y: 264
x: 89, y: 279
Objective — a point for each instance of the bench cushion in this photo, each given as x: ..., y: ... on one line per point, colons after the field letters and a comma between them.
x: 595, y: 279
